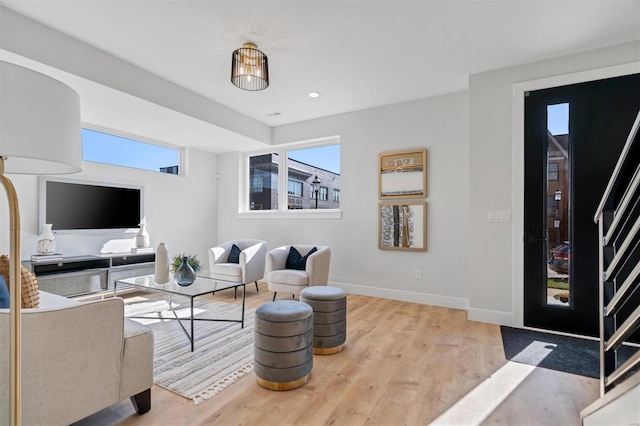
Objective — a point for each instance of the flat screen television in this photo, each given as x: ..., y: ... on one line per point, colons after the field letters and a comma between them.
x: 71, y: 205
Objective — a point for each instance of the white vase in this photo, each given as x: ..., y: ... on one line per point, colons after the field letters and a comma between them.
x: 47, y: 241
x: 162, y: 264
x: 142, y: 237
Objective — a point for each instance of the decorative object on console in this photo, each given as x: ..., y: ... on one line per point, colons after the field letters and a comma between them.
x: 143, y: 250
x: 36, y: 258
x: 185, y: 275
x: 47, y: 241
x: 249, y: 68
x: 53, y: 146
x: 142, y: 237
x: 162, y: 264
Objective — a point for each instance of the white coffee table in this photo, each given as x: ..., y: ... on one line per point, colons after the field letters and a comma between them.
x: 201, y: 286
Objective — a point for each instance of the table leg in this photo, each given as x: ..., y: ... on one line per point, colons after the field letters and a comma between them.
x: 115, y: 286
x: 244, y: 291
x: 193, y: 337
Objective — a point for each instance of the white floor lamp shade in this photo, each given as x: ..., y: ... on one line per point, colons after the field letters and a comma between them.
x: 39, y: 123
x: 39, y: 134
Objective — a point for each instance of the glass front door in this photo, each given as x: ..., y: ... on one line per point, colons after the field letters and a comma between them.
x: 573, y: 137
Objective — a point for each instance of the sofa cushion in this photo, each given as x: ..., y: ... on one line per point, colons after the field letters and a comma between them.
x: 288, y: 276
x: 137, y: 359
x: 4, y: 294
x: 30, y: 294
x: 55, y: 301
x: 234, y: 254
x: 226, y: 272
x: 297, y: 261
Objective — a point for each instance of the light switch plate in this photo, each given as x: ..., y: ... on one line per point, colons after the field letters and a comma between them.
x: 499, y: 216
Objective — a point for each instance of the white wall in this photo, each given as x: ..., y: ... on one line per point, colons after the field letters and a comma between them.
x: 439, y: 124
x: 493, y: 172
x: 180, y: 211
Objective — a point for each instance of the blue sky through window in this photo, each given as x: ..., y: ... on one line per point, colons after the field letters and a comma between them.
x: 110, y: 149
x: 558, y: 119
x: 326, y: 157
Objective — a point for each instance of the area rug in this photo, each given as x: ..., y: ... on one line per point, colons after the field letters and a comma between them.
x: 223, y: 351
x: 556, y: 352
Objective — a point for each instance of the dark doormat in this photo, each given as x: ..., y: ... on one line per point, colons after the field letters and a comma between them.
x: 556, y: 352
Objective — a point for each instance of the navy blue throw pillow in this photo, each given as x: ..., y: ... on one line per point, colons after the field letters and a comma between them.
x: 296, y: 261
x: 234, y: 254
x: 4, y: 294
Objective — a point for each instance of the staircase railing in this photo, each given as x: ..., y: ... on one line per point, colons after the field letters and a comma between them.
x: 618, y: 219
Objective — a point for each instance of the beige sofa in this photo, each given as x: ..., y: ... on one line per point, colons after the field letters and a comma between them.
x: 77, y: 358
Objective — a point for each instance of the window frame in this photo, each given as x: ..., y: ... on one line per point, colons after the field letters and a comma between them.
x: 297, y: 184
x: 182, y: 152
x: 283, y: 166
x: 323, y: 194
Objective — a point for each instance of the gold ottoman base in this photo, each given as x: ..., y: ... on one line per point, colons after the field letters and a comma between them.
x: 328, y: 351
x: 276, y: 386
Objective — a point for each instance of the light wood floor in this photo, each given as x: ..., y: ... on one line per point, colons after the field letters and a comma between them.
x: 404, y: 364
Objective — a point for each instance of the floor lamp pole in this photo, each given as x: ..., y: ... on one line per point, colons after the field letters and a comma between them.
x: 15, y: 304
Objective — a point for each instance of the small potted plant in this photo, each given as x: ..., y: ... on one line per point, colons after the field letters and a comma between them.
x: 564, y: 297
x: 185, y: 268
x: 192, y: 260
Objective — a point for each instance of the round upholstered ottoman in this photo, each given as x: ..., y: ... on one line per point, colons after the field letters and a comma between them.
x: 329, y: 318
x: 283, y: 345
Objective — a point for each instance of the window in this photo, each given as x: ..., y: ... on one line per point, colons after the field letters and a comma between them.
x: 296, y: 169
x: 309, y: 164
x: 324, y: 193
x: 263, y: 182
x: 553, y: 171
x: 106, y: 148
x: 295, y: 188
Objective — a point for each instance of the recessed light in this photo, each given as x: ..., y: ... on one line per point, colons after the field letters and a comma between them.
x: 314, y: 94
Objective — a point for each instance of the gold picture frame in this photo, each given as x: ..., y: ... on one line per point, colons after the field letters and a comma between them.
x: 402, y: 225
x: 402, y: 174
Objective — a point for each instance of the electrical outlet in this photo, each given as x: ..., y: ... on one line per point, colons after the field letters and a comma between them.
x: 418, y: 274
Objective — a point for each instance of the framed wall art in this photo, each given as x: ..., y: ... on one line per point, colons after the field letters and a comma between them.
x: 402, y: 226
x: 402, y: 174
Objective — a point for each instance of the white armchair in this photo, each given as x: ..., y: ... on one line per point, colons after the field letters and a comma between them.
x: 281, y: 279
x: 250, y: 266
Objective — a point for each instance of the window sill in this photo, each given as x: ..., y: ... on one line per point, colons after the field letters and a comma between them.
x: 292, y: 214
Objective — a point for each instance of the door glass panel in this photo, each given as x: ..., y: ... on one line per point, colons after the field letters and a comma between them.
x: 557, y: 206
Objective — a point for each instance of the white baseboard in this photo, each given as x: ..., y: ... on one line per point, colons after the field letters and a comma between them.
x: 480, y: 315
x: 492, y: 317
x: 405, y: 296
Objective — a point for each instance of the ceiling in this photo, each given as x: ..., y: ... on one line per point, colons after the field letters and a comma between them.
x: 357, y: 53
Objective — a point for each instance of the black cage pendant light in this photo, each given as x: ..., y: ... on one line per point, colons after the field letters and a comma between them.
x: 249, y: 68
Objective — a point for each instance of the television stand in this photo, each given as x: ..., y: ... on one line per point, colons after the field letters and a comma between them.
x: 80, y: 275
